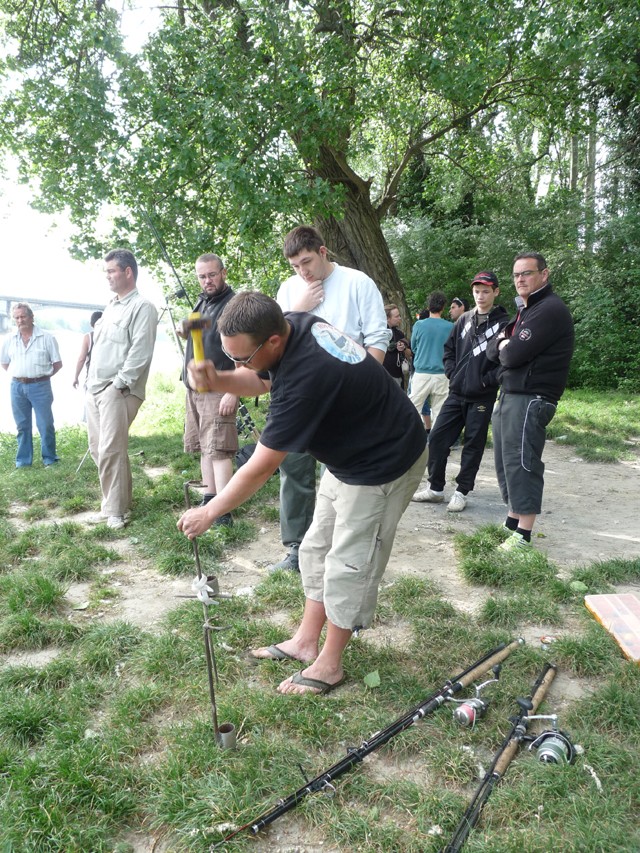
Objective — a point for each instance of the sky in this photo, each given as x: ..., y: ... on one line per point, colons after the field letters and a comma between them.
x: 35, y: 258
x: 36, y: 262
x: 33, y: 246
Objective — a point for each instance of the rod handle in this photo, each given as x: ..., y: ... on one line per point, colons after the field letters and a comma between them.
x: 486, y: 665
x: 540, y: 691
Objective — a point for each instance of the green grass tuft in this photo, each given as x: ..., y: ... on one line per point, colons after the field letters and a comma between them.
x: 29, y: 593
x: 589, y: 655
x: 523, y: 609
x: 600, y: 576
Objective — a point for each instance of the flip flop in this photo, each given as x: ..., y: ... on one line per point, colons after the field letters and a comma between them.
x: 322, y: 687
x: 275, y: 653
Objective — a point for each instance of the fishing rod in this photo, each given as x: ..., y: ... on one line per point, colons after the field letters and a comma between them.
x: 181, y: 292
x: 323, y: 782
x: 553, y: 747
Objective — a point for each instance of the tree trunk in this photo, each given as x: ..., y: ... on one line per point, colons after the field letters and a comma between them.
x: 590, y: 186
x: 575, y: 162
x: 356, y: 240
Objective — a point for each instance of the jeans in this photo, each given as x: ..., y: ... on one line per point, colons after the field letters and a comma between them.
x: 25, y: 400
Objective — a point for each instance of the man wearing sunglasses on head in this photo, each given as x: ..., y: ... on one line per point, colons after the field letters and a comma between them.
x: 330, y: 398
x: 210, y: 424
x: 534, y: 351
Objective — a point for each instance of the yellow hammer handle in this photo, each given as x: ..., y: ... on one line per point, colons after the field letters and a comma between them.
x: 198, y: 348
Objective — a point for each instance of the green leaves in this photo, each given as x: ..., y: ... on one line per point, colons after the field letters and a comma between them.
x: 239, y: 120
x: 372, y: 679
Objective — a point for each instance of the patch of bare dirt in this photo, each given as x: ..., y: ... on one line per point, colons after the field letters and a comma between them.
x: 590, y: 513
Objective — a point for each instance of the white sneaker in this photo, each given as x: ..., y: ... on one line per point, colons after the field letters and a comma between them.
x: 457, y: 503
x: 99, y: 518
x: 116, y: 522
x: 428, y: 496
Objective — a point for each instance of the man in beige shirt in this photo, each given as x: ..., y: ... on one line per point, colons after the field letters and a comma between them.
x: 123, y: 344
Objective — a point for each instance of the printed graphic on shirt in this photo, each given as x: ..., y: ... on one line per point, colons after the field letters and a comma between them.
x: 524, y: 334
x: 337, y: 344
x: 483, y: 338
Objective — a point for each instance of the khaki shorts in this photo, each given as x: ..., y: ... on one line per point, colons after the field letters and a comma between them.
x: 345, y: 552
x: 206, y: 430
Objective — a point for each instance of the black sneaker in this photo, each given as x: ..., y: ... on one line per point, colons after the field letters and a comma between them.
x: 289, y: 563
x: 225, y: 520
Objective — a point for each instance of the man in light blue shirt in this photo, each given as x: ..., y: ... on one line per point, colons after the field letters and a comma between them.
x: 427, y: 343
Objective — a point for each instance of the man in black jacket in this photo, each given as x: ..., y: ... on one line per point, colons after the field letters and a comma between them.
x: 534, y: 352
x: 473, y: 387
x: 210, y: 425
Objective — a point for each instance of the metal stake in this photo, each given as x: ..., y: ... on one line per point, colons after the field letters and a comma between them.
x: 212, y: 671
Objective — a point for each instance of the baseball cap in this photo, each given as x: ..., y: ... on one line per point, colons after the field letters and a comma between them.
x: 486, y: 277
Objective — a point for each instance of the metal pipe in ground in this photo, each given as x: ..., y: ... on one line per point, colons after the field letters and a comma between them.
x: 225, y: 734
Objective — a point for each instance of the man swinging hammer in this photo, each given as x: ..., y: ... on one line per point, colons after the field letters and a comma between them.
x: 333, y: 400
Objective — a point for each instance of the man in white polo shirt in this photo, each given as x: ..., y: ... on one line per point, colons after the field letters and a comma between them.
x: 31, y: 357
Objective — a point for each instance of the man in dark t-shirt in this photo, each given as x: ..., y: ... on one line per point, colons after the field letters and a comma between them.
x: 333, y: 400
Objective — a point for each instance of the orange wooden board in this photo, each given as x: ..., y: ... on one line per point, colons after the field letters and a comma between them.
x: 620, y: 615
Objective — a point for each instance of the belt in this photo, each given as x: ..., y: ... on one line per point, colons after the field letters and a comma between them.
x: 29, y: 380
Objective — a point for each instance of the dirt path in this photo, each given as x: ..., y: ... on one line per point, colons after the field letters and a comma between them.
x: 591, y: 512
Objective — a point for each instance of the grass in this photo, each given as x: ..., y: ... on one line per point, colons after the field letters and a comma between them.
x: 603, y: 427
x: 110, y: 731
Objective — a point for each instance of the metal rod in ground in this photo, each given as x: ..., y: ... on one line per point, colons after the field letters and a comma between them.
x: 212, y: 670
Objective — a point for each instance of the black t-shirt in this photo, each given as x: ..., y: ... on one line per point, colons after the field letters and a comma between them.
x: 333, y: 400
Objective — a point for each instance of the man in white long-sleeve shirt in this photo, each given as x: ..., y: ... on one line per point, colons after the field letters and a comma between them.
x: 123, y: 344
x: 350, y: 301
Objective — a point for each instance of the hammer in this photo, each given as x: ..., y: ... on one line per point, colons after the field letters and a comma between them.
x: 194, y: 324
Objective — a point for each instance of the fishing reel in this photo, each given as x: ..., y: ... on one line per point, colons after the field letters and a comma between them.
x: 474, y: 708
x: 552, y: 746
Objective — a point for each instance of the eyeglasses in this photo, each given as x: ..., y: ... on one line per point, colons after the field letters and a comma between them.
x: 524, y: 274
x: 242, y: 361
x: 209, y: 276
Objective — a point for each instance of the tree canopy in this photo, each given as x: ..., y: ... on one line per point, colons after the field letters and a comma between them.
x: 239, y: 120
